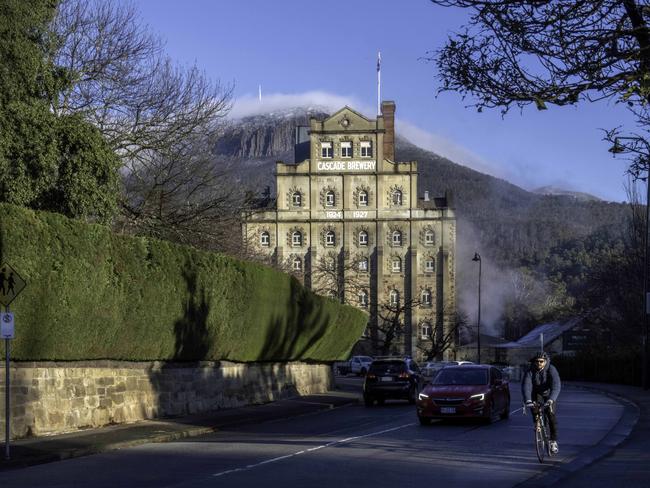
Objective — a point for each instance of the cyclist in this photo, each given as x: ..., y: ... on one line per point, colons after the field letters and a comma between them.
x: 542, y: 384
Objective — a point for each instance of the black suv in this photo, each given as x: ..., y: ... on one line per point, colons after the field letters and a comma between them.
x: 392, y: 378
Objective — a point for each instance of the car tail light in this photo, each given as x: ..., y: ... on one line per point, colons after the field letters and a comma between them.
x: 404, y: 376
x: 371, y: 376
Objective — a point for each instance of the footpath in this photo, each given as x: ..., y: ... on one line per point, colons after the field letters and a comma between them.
x: 622, y: 458
x: 38, y: 450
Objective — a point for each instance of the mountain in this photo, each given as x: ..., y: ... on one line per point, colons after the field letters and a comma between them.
x: 511, y: 225
x: 554, y: 190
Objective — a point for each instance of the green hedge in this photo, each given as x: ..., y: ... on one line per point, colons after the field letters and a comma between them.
x: 93, y: 294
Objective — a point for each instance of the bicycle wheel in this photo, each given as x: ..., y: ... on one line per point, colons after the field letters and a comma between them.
x: 540, y: 441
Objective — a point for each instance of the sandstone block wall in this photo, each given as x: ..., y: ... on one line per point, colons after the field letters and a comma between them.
x: 56, y: 397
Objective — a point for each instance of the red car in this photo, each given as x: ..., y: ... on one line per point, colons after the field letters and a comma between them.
x: 465, y: 391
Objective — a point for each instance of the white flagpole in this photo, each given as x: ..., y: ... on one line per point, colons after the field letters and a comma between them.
x: 378, y: 82
x: 260, y: 92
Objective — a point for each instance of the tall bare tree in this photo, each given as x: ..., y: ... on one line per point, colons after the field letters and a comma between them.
x: 161, y: 119
x: 441, y: 338
x: 521, y: 52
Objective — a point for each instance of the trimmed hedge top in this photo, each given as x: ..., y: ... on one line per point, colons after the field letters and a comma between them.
x: 93, y: 294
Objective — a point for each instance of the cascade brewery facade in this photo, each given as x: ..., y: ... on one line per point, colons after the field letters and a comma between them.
x: 348, y: 222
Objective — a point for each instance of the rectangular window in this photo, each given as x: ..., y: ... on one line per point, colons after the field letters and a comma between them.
x: 325, y: 149
x: 428, y: 266
x: 366, y: 149
x: 346, y: 149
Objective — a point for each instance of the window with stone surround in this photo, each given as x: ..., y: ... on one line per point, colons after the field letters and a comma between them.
x: 265, y: 239
x: 366, y: 149
x: 346, y: 149
x: 326, y: 150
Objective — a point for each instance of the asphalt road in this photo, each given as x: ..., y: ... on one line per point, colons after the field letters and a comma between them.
x: 351, y: 446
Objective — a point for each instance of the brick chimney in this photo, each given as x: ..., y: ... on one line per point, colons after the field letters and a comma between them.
x: 388, y: 112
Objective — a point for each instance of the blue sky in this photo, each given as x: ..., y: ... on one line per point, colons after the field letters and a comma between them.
x: 325, y: 53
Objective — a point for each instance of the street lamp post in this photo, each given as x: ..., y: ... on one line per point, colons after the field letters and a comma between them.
x: 477, y: 257
x: 633, y: 147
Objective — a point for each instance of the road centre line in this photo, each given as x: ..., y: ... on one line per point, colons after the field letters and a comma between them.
x: 304, y: 451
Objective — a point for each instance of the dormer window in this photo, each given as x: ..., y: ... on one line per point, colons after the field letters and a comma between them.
x: 346, y: 149
x: 296, y: 199
x: 366, y: 149
x: 330, y: 199
x: 326, y: 150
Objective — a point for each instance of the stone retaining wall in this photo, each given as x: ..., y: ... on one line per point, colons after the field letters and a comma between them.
x: 57, y: 397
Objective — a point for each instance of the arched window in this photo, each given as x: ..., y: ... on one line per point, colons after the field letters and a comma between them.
x: 429, y: 265
x: 428, y: 238
x: 265, y: 239
x: 296, y: 264
x: 363, y: 238
x: 425, y: 330
x: 330, y: 238
x: 363, y: 198
x: 426, y: 298
x: 363, y: 299
x: 363, y: 264
x: 397, y: 197
x: 296, y: 238
x: 397, y: 238
x: 396, y: 265
x: 296, y: 199
x: 394, y: 297
x: 330, y: 199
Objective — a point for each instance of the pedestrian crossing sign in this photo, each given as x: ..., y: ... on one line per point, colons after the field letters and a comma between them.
x: 11, y: 284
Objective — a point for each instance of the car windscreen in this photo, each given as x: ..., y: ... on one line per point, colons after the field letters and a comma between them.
x: 388, y: 367
x: 465, y: 376
x: 365, y: 359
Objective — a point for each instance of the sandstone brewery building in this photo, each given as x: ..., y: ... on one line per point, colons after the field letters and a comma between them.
x: 349, y: 222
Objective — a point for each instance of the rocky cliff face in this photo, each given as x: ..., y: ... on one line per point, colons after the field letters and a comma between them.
x: 265, y: 136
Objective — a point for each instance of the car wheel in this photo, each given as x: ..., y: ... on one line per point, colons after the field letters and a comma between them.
x: 506, y: 411
x: 368, y: 401
x: 489, y: 418
x: 424, y: 420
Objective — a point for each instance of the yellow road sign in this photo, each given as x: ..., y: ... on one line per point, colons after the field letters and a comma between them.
x: 11, y: 284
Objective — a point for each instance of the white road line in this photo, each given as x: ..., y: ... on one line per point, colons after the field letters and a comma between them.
x: 515, y: 411
x: 329, y: 444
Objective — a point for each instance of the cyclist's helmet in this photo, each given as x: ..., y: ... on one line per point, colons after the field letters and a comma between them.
x: 539, y: 355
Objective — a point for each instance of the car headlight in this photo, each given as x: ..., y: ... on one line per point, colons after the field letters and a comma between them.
x: 422, y: 396
x: 479, y: 396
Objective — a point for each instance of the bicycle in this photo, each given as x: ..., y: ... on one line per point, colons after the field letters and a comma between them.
x: 542, y: 436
